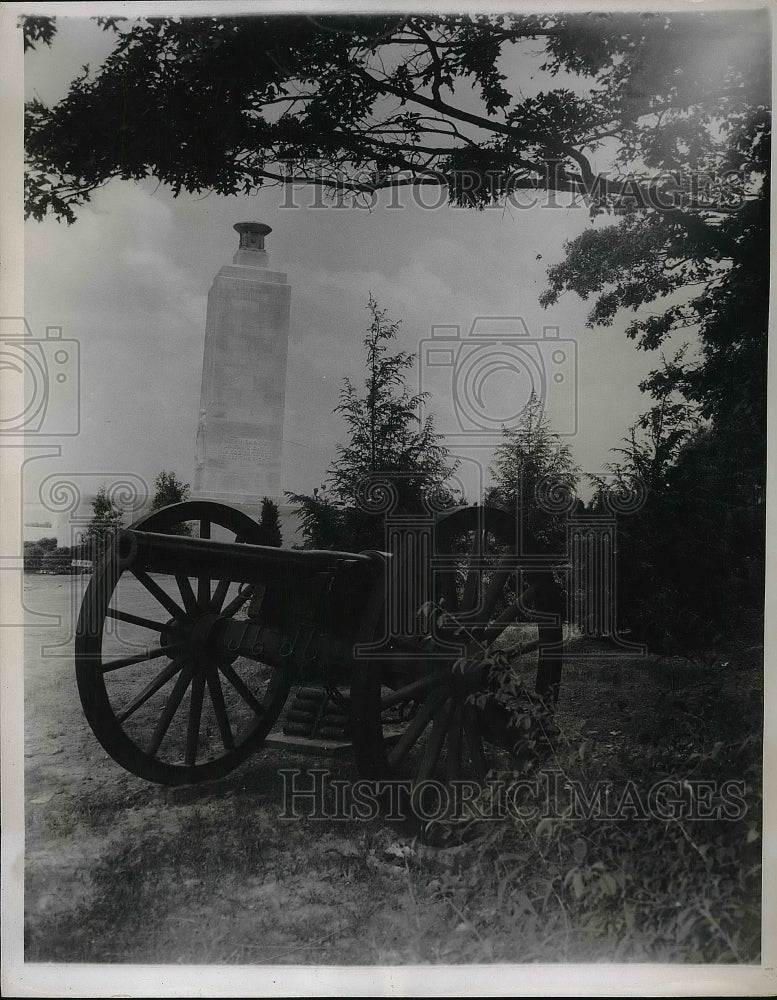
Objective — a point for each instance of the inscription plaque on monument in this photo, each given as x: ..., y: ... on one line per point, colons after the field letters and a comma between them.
x: 247, y: 451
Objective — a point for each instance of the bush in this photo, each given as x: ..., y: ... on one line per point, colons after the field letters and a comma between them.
x: 270, y: 523
x: 45, y: 556
x: 57, y: 561
x: 33, y: 557
x: 615, y: 883
x: 169, y: 490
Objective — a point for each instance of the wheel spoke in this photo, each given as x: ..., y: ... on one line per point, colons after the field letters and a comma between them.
x: 152, y: 687
x: 474, y: 741
x: 185, y: 587
x: 500, y: 623
x: 220, y: 709
x: 218, y: 595
x: 417, y: 725
x: 127, y: 661
x: 171, y: 707
x: 434, y: 745
x: 238, y: 602
x: 125, y: 616
x: 203, y: 582
x: 239, y: 685
x: 496, y: 586
x: 454, y: 744
x: 530, y: 594
x: 172, y: 716
x: 470, y: 595
x: 195, y: 715
x: 409, y: 691
x: 164, y: 599
x: 203, y: 593
x: 446, y: 587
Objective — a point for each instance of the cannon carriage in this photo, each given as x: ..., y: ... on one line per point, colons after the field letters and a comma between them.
x: 194, y: 649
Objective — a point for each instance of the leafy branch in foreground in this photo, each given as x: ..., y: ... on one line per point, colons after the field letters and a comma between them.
x: 361, y: 103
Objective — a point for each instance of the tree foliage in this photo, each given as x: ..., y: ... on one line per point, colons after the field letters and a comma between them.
x: 168, y: 489
x: 703, y: 261
x: 651, y: 447
x: 57, y: 561
x: 392, y: 459
x: 659, y: 119
x: 37, y: 29
x: 691, y: 558
x: 36, y: 553
x: 106, y: 520
x: 534, y: 474
x: 691, y: 552
x: 360, y: 103
x: 674, y: 106
x: 270, y: 522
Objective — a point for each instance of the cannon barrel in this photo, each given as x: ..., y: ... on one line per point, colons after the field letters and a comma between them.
x: 243, y: 563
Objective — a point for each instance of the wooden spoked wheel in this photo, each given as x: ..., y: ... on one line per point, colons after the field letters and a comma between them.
x: 418, y: 714
x: 159, y: 694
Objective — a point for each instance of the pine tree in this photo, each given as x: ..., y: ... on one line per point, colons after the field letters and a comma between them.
x: 534, y: 474
x: 270, y: 522
x: 388, y: 443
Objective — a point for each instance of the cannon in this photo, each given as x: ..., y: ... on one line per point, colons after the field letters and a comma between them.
x: 196, y: 643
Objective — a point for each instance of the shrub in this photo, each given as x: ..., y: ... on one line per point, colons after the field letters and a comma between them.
x: 57, y: 560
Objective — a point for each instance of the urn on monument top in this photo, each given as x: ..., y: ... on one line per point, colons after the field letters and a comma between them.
x: 251, y: 250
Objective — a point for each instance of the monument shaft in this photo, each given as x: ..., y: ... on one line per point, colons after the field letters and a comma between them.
x: 240, y: 429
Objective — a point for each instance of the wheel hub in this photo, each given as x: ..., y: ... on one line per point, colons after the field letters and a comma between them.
x: 198, y: 637
x: 201, y: 637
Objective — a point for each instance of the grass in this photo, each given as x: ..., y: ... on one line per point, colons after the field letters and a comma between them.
x: 137, y: 874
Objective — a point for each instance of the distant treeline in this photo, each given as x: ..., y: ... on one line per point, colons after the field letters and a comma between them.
x: 45, y: 556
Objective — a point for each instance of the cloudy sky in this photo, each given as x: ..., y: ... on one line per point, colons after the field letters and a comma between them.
x: 129, y: 282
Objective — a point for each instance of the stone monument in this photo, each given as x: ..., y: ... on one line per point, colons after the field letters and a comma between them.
x: 239, y: 436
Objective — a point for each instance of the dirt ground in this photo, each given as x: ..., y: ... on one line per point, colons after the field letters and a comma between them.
x: 285, y: 893
x: 118, y: 870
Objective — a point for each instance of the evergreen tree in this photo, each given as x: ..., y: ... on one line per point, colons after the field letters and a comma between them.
x: 270, y: 522
x: 534, y: 474
x: 389, y: 446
